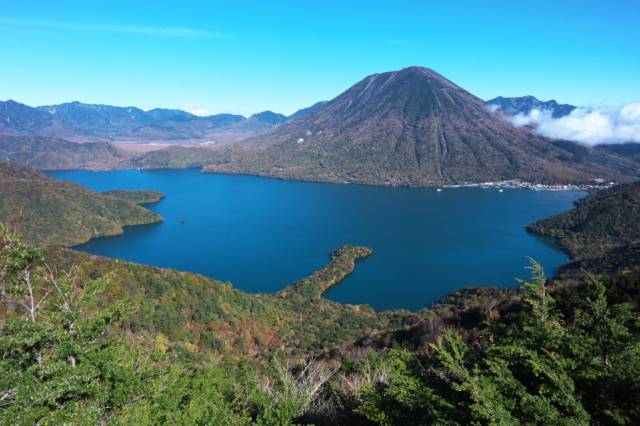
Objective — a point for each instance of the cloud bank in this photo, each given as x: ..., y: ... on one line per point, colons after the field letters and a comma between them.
x: 591, y: 126
x: 113, y: 28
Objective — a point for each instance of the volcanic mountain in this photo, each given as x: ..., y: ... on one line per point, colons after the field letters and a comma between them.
x: 413, y: 127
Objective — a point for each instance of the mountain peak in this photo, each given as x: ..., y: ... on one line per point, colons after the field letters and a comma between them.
x: 525, y: 104
x: 420, y: 70
x: 420, y: 84
x: 409, y: 95
x: 270, y: 117
x: 410, y: 72
x: 408, y: 127
x: 424, y: 72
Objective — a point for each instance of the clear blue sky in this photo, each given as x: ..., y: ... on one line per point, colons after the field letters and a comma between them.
x: 249, y: 56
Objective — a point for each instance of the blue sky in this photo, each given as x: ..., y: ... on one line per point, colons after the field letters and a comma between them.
x: 250, y: 56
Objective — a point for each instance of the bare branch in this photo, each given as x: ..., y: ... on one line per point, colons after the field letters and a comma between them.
x: 43, y: 298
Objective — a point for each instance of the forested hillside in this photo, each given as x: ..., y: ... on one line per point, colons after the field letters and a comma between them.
x: 92, y: 340
x: 49, y: 153
x: 604, y: 224
x: 46, y: 211
x: 76, y: 351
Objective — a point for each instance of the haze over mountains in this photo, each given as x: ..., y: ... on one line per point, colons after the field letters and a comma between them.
x: 407, y: 127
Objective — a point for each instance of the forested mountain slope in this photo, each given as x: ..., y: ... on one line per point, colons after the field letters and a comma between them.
x: 414, y: 127
x: 47, y: 211
x: 603, y: 223
x: 48, y: 153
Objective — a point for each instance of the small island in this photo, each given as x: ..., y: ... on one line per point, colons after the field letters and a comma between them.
x: 136, y: 196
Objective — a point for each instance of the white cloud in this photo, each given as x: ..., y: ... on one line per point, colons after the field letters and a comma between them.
x: 591, y: 126
x: 197, y: 109
x: 182, y: 32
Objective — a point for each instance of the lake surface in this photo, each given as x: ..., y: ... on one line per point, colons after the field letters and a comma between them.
x: 263, y: 234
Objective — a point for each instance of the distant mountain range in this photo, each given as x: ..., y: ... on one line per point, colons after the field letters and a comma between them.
x: 407, y: 127
x: 85, y: 122
x: 525, y: 104
x: 414, y: 127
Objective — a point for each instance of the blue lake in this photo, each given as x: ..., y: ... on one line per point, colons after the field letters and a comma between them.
x: 263, y: 234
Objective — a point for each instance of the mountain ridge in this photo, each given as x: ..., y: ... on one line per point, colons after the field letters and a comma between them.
x: 525, y: 104
x: 408, y: 127
x: 94, y: 122
x: 412, y: 127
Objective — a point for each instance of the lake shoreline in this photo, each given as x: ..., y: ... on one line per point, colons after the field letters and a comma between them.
x: 503, y: 184
x: 425, y: 245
